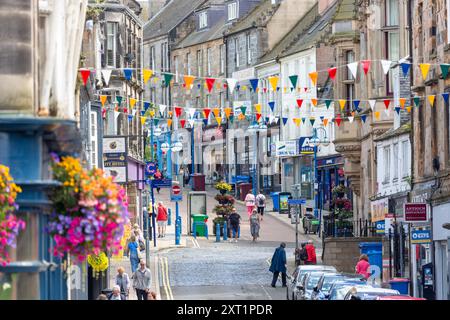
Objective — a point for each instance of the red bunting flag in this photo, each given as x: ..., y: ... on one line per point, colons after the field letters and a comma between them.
x: 178, y: 111
x: 387, y: 102
x: 183, y: 123
x: 338, y: 120
x: 210, y: 83
x: 85, y: 73
x: 207, y: 112
x: 332, y: 73
x: 366, y: 65
x: 299, y: 102
x: 258, y: 116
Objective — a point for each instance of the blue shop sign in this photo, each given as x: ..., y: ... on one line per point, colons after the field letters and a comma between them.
x: 162, y: 183
x: 294, y: 202
x: 420, y: 236
x: 380, y: 227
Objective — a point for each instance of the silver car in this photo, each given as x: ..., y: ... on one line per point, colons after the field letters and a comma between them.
x: 294, y: 289
x: 369, y: 293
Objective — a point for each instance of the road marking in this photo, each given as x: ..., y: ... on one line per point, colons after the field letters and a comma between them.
x: 195, y: 242
x: 165, y: 277
x: 157, y: 285
x: 166, y: 261
x: 265, y: 291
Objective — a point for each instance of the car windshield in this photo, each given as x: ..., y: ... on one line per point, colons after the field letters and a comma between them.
x: 339, y: 293
x: 373, y: 295
x: 328, y: 282
x: 313, y: 280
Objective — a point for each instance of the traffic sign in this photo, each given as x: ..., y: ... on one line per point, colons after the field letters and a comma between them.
x: 150, y: 169
x: 420, y: 236
x: 175, y: 193
x: 161, y: 183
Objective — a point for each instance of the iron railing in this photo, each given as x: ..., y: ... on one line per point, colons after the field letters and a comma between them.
x: 334, y: 228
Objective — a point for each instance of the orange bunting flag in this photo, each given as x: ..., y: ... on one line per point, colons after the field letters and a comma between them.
x: 431, y: 100
x: 408, y: 109
x: 402, y: 102
x: 189, y: 82
x: 274, y: 82
x: 227, y: 112
x: 241, y: 117
x: 314, y: 102
x: 169, y: 122
x: 147, y: 75
x: 313, y: 76
x: 342, y: 104
x: 170, y: 113
x: 377, y: 115
x: 216, y: 112
x: 325, y: 122
x: 103, y: 100
x: 258, y: 108
x: 132, y: 102
x: 219, y: 120
x: 424, y: 68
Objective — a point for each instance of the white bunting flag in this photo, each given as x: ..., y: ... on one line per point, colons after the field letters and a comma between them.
x: 372, y: 104
x: 386, y: 64
x: 231, y: 84
x: 162, y: 108
x: 191, y: 122
x: 106, y: 75
x: 116, y: 115
x: 353, y: 67
x: 191, y: 112
x: 350, y: 119
x: 133, y: 112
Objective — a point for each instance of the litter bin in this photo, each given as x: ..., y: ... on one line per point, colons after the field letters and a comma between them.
x: 374, y: 253
x: 198, y: 182
x: 283, y: 205
x: 200, y: 229
x: 365, y: 247
x: 400, y: 284
x: 276, y: 201
x: 244, y: 188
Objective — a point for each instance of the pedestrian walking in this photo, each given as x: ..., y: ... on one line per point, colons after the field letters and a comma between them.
x: 301, y: 255
x: 186, y: 176
x: 255, y: 224
x: 142, y: 281
x: 162, y: 218
x: 250, y: 202
x: 123, y: 281
x: 234, y: 219
x: 278, y: 265
x: 133, y: 251
x: 116, y: 295
x: 261, y: 203
x: 363, y: 265
x: 140, y: 239
x: 311, y: 251
x: 158, y: 176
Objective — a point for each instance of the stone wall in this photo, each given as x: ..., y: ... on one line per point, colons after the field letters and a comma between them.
x: 343, y: 253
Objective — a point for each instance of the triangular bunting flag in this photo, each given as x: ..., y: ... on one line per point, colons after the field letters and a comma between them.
x: 243, y: 109
x: 119, y: 100
x: 372, y: 104
x: 338, y: 120
x: 152, y: 113
x: 402, y: 102
x: 325, y: 122
x: 143, y: 120
x: 183, y: 123
x: 191, y: 112
x: 133, y: 112
x: 294, y: 80
x: 445, y: 96
x: 85, y: 73
x: 387, y: 102
x: 132, y: 102
x: 178, y: 111
x: 162, y: 108
x: 167, y: 78
x: 366, y: 66
x: 405, y: 68
x: 128, y: 73
x: 299, y: 102
x: 106, y: 73
x: 207, y: 111
x: 363, y: 118
x: 130, y: 117
x: 272, y: 105
x: 210, y: 83
x: 408, y: 109
x: 424, y: 68
x: 205, y: 122
x: 116, y: 115
x: 356, y: 104
x: 189, y: 82
x: 445, y: 68
x: 169, y: 122
x: 303, y: 120
x: 416, y: 101
x: 312, y: 120
x: 431, y: 100
x: 228, y: 112
x: 353, y: 67
x: 147, y: 74
x: 350, y: 119
x: 216, y: 112
x: 258, y: 116
x: 313, y: 76
x: 386, y: 65
x: 146, y: 105
x: 332, y: 73
x: 328, y: 103
x: 342, y: 104
x: 219, y: 120
x: 314, y: 102
x: 254, y: 83
x: 274, y: 82
x: 285, y: 120
x: 258, y: 108
x: 103, y: 100
x: 377, y: 115
x: 397, y: 109
x: 170, y: 113
x: 297, y: 121
x: 156, y: 121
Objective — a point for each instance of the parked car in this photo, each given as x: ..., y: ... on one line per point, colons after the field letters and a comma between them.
x: 369, y: 293
x: 308, y: 284
x: 296, y: 278
x: 322, y: 290
x: 400, y: 297
x: 340, y: 289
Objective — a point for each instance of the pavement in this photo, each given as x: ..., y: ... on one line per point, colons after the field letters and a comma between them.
x: 202, y: 268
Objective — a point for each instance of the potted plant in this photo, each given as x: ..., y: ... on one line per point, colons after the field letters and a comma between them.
x: 225, y: 206
x: 339, y: 191
x: 223, y: 187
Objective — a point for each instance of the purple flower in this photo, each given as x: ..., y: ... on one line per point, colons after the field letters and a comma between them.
x: 55, y: 157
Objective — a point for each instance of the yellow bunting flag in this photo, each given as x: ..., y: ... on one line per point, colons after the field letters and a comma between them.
x: 216, y: 112
x: 189, y: 82
x: 143, y: 119
x: 342, y: 104
x: 402, y: 102
x: 258, y: 108
x: 408, y: 109
x: 377, y: 115
x: 424, y: 67
x: 132, y: 102
x: 219, y: 120
x: 431, y: 100
x: 285, y: 89
x: 244, y: 88
x: 314, y: 102
x: 227, y: 112
x: 147, y: 75
x: 325, y: 122
x: 152, y: 113
x: 297, y: 121
x: 155, y: 80
x: 313, y: 76
x: 274, y: 82
x: 103, y: 100
x: 169, y: 122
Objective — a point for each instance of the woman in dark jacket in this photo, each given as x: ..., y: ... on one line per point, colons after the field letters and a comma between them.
x: 279, y: 265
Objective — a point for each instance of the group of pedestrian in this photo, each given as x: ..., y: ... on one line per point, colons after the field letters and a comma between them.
x: 135, y: 247
x: 306, y: 254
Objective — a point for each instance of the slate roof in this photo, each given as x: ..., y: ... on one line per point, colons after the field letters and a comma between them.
x: 259, y: 16
x: 306, y: 33
x: 171, y: 15
x: 406, y: 128
x: 201, y: 36
x: 346, y: 10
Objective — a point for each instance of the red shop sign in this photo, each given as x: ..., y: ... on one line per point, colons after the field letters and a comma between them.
x: 415, y: 212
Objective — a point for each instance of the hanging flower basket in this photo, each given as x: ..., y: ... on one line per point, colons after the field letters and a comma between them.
x: 99, y: 263
x: 90, y: 211
x: 10, y: 224
x: 223, y: 187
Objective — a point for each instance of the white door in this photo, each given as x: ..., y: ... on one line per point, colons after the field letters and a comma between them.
x: 441, y: 270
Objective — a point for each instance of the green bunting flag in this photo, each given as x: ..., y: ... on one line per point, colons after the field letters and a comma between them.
x: 303, y: 120
x: 416, y: 101
x: 328, y: 103
x: 155, y: 122
x: 243, y: 109
x: 231, y: 119
x: 167, y: 78
x: 312, y: 120
x: 119, y: 99
x: 294, y: 80
x: 445, y: 69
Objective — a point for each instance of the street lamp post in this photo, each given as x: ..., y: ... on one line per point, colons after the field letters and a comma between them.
x: 255, y: 128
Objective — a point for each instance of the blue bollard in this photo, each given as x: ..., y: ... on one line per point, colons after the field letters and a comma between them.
x: 225, y: 231
x: 239, y: 231
x: 169, y: 218
x: 177, y: 232
x: 218, y: 232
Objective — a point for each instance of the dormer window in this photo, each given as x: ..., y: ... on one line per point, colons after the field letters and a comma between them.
x: 232, y: 11
x: 202, y: 20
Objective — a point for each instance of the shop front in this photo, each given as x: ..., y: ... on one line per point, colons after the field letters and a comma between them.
x: 330, y: 173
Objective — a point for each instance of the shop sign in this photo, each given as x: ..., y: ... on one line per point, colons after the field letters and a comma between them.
x: 415, y: 212
x: 287, y: 148
x: 115, y: 158
x: 379, y: 209
x: 380, y: 227
x: 388, y: 221
x: 420, y: 236
x: 114, y: 145
x: 111, y: 160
